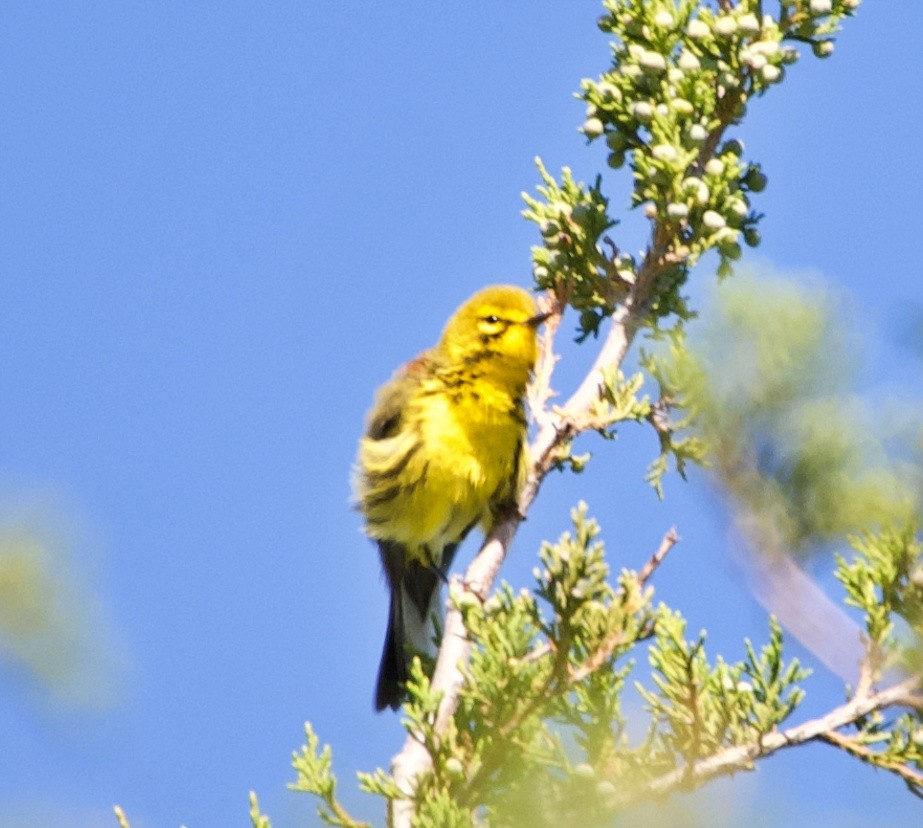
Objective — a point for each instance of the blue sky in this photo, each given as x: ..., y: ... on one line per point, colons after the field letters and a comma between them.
x: 221, y: 227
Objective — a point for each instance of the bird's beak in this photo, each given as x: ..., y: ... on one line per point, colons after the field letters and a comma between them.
x: 537, y: 320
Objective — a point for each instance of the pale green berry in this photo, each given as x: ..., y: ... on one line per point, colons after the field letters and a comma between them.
x: 664, y: 19
x: 662, y: 109
x: 713, y: 220
x: 605, y: 788
x: 674, y: 75
x: 698, y: 133
x: 737, y: 207
x: 821, y: 6
x: 822, y: 48
x: 688, y: 62
x: 765, y: 47
x: 650, y: 210
x: 752, y: 59
x: 682, y: 106
x: 664, y: 152
x: 725, y: 25
x: 653, y: 61
x: 616, y: 140
x: 749, y: 23
x: 771, y: 73
x: 584, y: 771
x: 698, y: 29
x: 676, y: 210
x: 851, y: 5
x: 593, y: 128
x: 643, y: 111
x: 714, y: 166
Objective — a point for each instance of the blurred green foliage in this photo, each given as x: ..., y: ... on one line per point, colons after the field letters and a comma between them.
x: 770, y: 383
x: 53, y: 637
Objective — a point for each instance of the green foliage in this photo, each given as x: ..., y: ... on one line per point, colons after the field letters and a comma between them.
x: 50, y: 627
x: 572, y: 218
x: 257, y: 818
x: 618, y: 401
x: 698, y: 708
x: 882, y: 580
x: 891, y: 744
x: 682, y: 74
x: 539, y: 736
x: 674, y: 376
x: 796, y: 451
x: 313, y: 767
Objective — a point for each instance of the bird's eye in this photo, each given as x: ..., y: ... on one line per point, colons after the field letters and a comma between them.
x: 493, y: 320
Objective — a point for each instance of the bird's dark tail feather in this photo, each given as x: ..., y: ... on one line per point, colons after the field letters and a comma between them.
x: 392, y: 672
x: 413, y: 587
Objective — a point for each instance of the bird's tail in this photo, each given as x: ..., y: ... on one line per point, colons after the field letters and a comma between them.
x: 411, y: 618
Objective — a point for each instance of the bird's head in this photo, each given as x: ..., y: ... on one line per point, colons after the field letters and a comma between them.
x: 495, y: 330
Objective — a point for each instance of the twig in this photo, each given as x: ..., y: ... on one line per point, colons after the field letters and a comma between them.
x: 536, y: 655
x: 414, y: 759
x: 670, y: 539
x: 742, y: 756
x: 539, y: 391
x: 913, y: 779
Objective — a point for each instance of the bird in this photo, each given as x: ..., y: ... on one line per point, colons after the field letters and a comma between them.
x: 444, y: 451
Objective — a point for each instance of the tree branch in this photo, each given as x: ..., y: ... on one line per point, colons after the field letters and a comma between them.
x: 670, y: 539
x: 913, y: 779
x: 741, y: 757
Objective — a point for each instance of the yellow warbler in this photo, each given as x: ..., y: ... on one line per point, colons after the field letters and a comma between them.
x: 443, y: 452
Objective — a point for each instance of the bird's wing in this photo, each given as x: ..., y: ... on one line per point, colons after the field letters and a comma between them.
x: 391, y: 401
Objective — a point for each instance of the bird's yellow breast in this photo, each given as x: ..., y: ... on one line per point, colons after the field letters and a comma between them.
x: 465, y: 463
x: 445, y: 438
